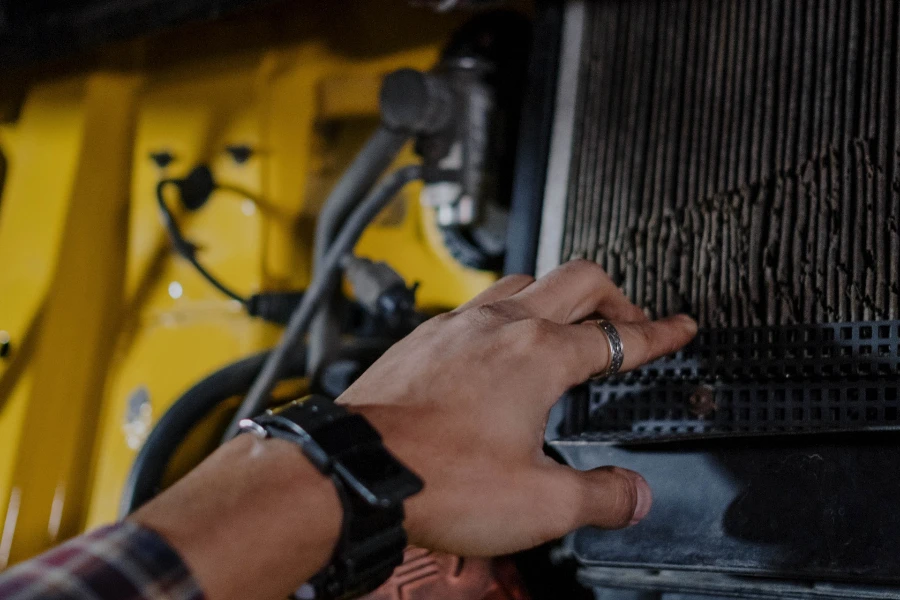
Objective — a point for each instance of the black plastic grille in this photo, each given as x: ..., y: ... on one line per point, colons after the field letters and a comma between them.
x: 783, y: 353
x: 766, y: 380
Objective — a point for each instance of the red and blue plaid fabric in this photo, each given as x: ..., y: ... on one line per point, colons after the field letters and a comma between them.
x: 119, y: 562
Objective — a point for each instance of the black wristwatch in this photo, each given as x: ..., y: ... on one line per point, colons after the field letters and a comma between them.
x: 371, y: 483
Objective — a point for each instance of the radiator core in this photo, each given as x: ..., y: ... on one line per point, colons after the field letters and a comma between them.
x: 739, y: 160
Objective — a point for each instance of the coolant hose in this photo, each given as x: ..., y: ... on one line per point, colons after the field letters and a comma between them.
x: 258, y: 397
x: 373, y: 160
x: 146, y: 476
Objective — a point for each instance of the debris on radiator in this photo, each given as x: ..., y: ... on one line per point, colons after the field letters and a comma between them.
x: 741, y: 160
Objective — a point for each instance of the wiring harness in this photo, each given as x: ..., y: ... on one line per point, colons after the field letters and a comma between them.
x: 353, y: 204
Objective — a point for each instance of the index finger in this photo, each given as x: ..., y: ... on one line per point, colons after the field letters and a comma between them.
x: 573, y: 292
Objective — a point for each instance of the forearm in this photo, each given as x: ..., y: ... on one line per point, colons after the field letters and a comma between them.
x: 255, y: 520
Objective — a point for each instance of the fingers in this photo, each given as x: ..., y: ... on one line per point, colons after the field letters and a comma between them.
x: 575, y: 291
x: 608, y: 497
x: 641, y: 343
x: 504, y: 288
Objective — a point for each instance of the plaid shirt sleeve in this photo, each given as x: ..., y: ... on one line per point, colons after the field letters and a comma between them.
x: 119, y: 562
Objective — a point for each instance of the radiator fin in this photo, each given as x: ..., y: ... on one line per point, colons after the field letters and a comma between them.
x: 739, y: 160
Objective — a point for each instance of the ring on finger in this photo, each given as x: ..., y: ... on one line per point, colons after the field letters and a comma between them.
x: 616, y: 350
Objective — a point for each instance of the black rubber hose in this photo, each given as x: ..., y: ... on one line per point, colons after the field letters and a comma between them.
x: 258, y: 396
x: 149, y: 467
x: 371, y: 161
x: 146, y: 476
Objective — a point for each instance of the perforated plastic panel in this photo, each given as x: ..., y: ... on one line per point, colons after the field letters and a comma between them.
x: 756, y: 381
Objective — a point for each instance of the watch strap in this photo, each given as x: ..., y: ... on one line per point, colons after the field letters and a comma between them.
x: 371, y: 547
x: 346, y: 444
x: 371, y: 483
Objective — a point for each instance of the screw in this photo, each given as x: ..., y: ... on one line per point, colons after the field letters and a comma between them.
x: 5, y: 344
x: 702, y: 401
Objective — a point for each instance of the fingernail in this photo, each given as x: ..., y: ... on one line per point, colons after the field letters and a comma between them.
x: 644, y: 500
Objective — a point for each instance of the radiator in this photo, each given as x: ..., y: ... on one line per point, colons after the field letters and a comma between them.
x: 739, y: 161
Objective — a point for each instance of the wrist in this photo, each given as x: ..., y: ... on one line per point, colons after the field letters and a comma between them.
x: 372, y: 485
x: 254, y: 520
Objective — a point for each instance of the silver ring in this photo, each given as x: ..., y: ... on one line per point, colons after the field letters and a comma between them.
x: 616, y: 350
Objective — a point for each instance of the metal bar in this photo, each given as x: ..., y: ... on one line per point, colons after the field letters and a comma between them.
x: 80, y: 318
x: 553, y: 213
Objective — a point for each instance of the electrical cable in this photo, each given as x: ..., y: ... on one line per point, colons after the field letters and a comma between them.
x: 371, y: 161
x: 183, y: 247
x: 257, y: 398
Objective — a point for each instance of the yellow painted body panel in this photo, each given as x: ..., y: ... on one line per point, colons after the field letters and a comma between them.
x: 100, y: 313
x: 33, y: 209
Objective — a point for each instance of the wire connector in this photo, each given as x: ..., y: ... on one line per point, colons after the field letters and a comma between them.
x: 380, y: 289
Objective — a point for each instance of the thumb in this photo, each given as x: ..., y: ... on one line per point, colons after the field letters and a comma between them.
x: 607, y: 497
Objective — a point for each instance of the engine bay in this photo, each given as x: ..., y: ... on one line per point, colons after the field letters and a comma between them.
x: 211, y: 209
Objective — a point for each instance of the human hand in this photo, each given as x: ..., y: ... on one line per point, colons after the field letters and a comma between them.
x: 464, y: 401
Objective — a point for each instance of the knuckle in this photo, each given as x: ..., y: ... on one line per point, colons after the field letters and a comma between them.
x: 581, y: 263
x: 438, y: 320
x: 645, y: 336
x: 537, y: 332
x: 492, y: 313
x: 645, y: 340
x: 624, y: 499
x: 518, y: 279
x: 586, y: 266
